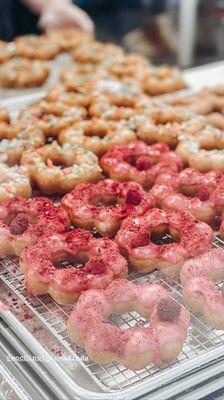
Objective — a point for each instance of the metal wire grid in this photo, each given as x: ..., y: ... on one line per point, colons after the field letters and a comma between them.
x: 114, y: 376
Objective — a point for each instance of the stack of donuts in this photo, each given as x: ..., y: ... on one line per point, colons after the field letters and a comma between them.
x: 101, y: 177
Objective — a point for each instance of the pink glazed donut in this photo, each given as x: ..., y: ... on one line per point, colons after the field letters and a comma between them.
x: 139, y: 162
x: 135, y: 347
x: 46, y: 272
x: 201, y: 294
x: 23, y: 221
x: 188, y: 190
x: 138, y: 239
x: 104, y: 205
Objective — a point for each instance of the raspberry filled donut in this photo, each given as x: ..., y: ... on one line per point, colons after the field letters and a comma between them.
x: 97, y: 135
x: 137, y: 346
x: 52, y: 117
x: 106, y: 204
x: 140, y: 239
x: 203, y: 149
x: 140, y: 163
x: 22, y: 73
x: 161, y: 80
x: 46, y: 271
x: 201, y: 294
x: 23, y: 221
x: 20, y: 139
x: 188, y: 190
x: 36, y: 47
x: 14, y: 181
x: 58, y: 169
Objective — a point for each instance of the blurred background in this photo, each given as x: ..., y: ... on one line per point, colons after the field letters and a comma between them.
x: 183, y: 32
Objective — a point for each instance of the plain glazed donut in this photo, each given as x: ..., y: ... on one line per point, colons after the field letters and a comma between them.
x: 101, y: 258
x: 137, y: 239
x: 97, y: 135
x: 22, y: 73
x: 188, y: 190
x: 14, y: 181
x: 23, y: 221
x: 106, y: 204
x: 58, y: 169
x: 140, y: 163
x: 201, y: 294
x: 135, y: 347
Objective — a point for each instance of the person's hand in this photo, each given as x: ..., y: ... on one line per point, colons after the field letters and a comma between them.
x: 58, y: 14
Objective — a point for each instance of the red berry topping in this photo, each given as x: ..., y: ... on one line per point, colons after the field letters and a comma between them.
x: 133, y: 197
x: 19, y: 225
x: 143, y: 163
x: 97, y: 267
x: 203, y: 194
x: 168, y: 310
x: 140, y: 240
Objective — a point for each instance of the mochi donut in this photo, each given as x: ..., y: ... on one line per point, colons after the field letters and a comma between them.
x: 188, y: 190
x: 23, y: 221
x: 102, y: 263
x: 137, y: 346
x: 14, y: 181
x: 51, y: 117
x: 97, y: 135
x: 139, y: 237
x: 140, y: 163
x: 200, y: 293
x: 104, y: 205
x: 22, y: 73
x: 58, y: 169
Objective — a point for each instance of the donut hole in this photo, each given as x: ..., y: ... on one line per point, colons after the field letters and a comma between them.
x: 57, y: 162
x: 66, y: 260
x: 105, y: 201
x: 159, y: 236
x: 95, y: 131
x: 127, y: 318
x: 163, y: 236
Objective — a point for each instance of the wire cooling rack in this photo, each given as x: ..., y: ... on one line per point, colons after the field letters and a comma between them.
x: 112, y: 377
